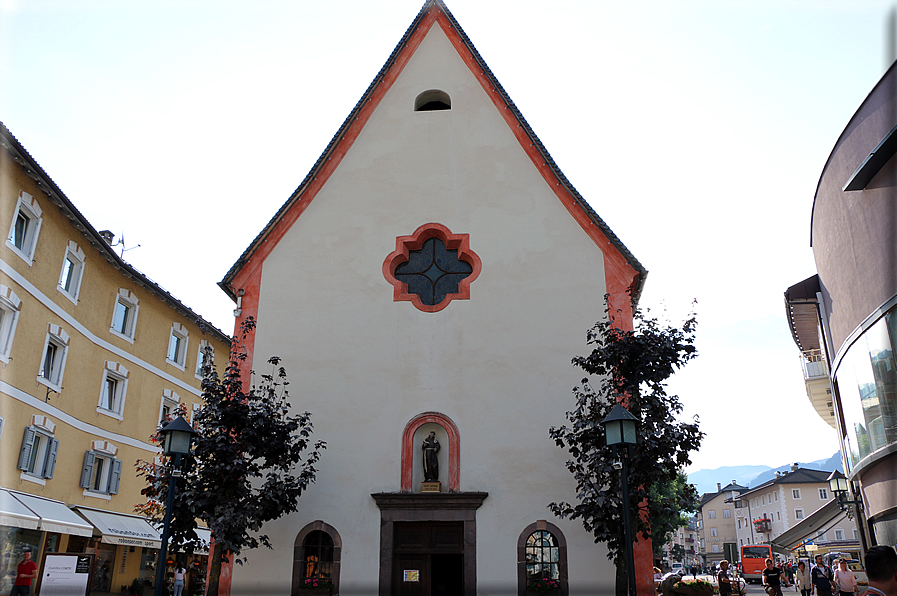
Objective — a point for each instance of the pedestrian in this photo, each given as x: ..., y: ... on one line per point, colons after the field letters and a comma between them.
x: 772, y: 579
x: 804, y: 585
x: 25, y: 572
x: 881, y: 568
x: 180, y: 575
x: 821, y: 578
x: 694, y: 571
x: 846, y: 579
x: 722, y: 579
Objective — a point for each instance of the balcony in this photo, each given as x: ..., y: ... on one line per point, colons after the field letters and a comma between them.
x: 816, y: 379
x: 763, y: 525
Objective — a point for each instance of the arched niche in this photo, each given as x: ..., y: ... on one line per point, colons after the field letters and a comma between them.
x: 432, y: 100
x: 417, y: 429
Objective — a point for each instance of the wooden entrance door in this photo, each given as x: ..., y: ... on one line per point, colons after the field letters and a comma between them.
x: 428, y: 559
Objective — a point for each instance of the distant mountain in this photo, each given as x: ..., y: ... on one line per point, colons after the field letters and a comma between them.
x: 829, y: 465
x: 706, y: 480
x: 751, y: 476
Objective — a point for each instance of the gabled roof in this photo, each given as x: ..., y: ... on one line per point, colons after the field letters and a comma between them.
x: 732, y: 486
x: 42, y: 180
x: 798, y: 476
x: 432, y: 10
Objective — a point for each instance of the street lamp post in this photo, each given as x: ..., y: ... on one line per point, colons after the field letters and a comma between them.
x: 620, y: 431
x: 176, y: 439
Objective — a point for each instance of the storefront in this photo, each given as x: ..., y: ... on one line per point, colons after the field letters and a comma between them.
x: 43, y: 525
x: 125, y: 548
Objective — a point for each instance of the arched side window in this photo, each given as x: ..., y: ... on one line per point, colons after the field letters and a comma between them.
x: 542, y: 557
x: 316, y: 558
x: 432, y: 100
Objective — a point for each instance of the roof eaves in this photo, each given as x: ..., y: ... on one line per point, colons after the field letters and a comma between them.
x: 583, y: 204
x: 42, y: 180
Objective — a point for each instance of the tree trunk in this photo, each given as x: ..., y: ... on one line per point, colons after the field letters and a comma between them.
x: 215, y: 573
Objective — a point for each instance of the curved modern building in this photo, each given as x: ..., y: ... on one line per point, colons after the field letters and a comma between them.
x: 844, y: 319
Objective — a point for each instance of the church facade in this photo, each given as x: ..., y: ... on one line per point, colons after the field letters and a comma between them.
x: 426, y: 287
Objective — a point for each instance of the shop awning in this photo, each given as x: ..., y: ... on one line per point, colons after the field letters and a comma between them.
x: 14, y: 513
x: 819, y: 521
x: 118, y: 528
x: 55, y: 516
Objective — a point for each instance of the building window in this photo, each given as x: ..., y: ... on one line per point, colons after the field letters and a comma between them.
x: 727, y: 513
x: 53, y: 358
x: 124, y: 314
x: 316, y: 556
x: 170, y: 402
x: 713, y: 531
x: 821, y: 536
x: 542, y: 557
x: 839, y: 534
x: 798, y: 514
x: 9, y: 316
x: 177, y: 345
x: 37, y: 457
x: 823, y: 494
x: 795, y: 493
x: 204, y: 357
x: 101, y: 472
x: 712, y: 514
x: 432, y: 267
x: 26, y: 222
x: 113, y: 390
x: 715, y: 548
x: 72, y: 270
x: 856, y: 534
x: 775, y: 496
x: 778, y: 516
x: 763, y: 498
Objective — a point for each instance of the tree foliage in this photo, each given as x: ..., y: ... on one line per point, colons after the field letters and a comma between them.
x: 669, y: 507
x: 249, y: 463
x: 628, y: 367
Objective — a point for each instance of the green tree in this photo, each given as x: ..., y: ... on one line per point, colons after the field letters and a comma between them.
x: 670, y: 505
x: 629, y: 367
x: 248, y: 465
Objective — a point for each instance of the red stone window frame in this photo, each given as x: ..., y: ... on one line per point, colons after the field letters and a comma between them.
x: 454, y: 449
x: 406, y: 244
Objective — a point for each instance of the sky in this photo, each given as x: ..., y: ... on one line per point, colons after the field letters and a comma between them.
x: 696, y: 129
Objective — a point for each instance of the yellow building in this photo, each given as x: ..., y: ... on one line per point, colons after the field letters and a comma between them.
x: 92, y: 355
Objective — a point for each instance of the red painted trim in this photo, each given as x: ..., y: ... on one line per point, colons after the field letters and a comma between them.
x: 405, y: 244
x: 454, y: 447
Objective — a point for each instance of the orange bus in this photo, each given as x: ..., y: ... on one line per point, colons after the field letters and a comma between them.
x: 753, y: 561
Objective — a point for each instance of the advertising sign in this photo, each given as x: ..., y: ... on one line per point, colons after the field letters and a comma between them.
x: 65, y: 574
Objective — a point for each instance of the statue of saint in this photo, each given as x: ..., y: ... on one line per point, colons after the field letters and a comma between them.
x: 431, y: 464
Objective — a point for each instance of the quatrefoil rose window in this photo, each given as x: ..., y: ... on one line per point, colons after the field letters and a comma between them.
x: 432, y: 267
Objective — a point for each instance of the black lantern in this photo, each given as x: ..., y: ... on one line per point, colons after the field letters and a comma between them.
x: 619, y: 427
x: 177, y: 436
x: 838, y: 483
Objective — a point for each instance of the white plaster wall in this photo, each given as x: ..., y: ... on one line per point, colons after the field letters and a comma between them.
x: 498, y: 364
